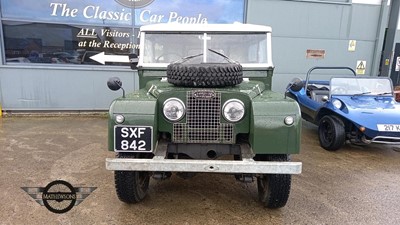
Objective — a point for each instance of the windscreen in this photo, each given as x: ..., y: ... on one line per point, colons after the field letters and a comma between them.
x: 205, y: 48
x: 360, y: 86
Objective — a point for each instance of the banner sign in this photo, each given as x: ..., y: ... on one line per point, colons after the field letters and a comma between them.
x: 125, y: 12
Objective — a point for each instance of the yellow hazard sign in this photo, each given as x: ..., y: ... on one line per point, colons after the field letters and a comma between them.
x: 352, y: 46
x: 361, y: 66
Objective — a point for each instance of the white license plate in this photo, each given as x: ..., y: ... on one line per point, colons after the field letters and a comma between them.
x: 389, y: 127
x: 133, y: 138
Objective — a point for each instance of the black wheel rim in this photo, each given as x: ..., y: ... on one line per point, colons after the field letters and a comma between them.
x: 327, y: 131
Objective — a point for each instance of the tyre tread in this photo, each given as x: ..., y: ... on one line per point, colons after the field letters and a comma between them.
x: 205, y: 74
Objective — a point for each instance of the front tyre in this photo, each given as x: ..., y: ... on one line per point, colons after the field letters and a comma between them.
x: 274, y: 189
x: 331, y: 133
x: 131, y: 186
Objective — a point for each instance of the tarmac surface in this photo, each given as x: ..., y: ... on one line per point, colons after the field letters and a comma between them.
x: 355, y: 185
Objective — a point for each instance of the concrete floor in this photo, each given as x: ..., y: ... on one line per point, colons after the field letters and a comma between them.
x: 355, y: 185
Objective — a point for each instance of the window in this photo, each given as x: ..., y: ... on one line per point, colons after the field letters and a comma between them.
x: 61, y: 44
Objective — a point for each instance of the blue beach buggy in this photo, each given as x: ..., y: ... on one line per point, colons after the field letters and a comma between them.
x: 360, y: 110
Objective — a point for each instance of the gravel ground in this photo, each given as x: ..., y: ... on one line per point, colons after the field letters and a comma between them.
x: 355, y: 185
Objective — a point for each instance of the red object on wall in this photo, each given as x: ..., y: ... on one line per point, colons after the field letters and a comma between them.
x: 397, y: 93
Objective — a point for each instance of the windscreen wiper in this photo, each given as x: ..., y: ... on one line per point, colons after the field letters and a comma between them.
x: 184, y: 59
x: 385, y: 93
x: 223, y: 55
x: 363, y: 93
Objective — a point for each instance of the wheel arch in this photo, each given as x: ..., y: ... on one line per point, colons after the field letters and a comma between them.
x: 324, y: 111
x: 133, y: 111
x: 268, y: 121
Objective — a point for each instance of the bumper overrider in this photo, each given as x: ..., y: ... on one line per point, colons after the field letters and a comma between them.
x: 161, y: 164
x: 385, y: 140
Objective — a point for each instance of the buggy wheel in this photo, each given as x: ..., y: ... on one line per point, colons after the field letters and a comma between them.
x: 331, y: 133
x: 274, y: 189
x: 131, y: 186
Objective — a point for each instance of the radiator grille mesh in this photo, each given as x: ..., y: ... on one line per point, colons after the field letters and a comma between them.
x: 203, y: 113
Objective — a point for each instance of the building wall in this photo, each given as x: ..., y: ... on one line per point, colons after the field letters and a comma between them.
x: 297, y: 25
x: 301, y: 25
x: 46, y: 88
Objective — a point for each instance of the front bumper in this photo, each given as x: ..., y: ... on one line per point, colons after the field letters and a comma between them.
x: 210, y: 166
x: 246, y: 165
x: 386, y: 140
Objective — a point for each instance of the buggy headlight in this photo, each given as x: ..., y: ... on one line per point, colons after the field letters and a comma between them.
x: 337, y: 104
x: 174, y: 109
x: 233, y: 110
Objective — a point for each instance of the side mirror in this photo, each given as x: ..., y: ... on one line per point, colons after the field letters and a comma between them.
x: 133, y: 60
x: 114, y: 83
x: 296, y: 84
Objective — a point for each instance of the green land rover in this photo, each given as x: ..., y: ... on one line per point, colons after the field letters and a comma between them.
x: 204, y: 105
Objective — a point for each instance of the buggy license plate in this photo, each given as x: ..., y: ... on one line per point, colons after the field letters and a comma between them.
x: 133, y: 139
x: 389, y: 127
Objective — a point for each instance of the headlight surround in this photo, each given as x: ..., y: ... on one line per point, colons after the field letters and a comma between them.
x: 337, y: 104
x: 174, y: 109
x: 233, y: 110
x: 119, y: 119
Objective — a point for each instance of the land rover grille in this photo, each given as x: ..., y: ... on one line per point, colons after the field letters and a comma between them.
x: 203, y: 120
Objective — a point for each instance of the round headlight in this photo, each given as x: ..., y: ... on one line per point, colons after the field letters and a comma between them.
x: 233, y: 110
x: 337, y: 104
x: 289, y: 120
x: 119, y: 118
x: 173, y: 109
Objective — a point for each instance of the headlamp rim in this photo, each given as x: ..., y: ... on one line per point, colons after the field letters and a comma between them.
x: 230, y: 101
x: 180, y: 102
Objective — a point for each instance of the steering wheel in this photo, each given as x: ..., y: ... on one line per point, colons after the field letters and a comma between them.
x: 339, y: 90
x: 168, y: 57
